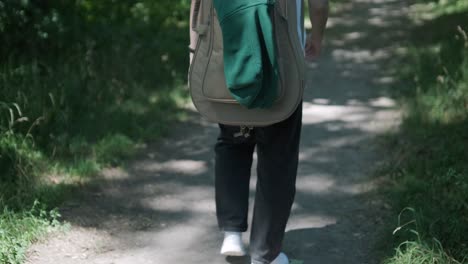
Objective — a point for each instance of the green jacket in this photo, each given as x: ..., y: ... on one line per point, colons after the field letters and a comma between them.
x: 250, y: 64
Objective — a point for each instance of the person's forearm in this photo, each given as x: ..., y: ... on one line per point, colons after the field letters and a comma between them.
x: 318, y: 11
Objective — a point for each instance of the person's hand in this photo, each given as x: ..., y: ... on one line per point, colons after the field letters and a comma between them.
x: 312, y: 49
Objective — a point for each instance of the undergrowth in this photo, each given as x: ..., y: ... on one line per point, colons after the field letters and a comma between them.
x: 82, y: 83
x: 429, y: 168
x: 19, y: 229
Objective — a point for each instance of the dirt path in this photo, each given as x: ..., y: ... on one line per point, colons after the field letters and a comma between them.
x: 160, y: 209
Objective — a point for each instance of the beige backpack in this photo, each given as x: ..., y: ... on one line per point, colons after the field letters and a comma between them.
x: 207, y: 83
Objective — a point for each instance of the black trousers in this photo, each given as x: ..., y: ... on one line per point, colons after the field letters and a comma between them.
x: 278, y: 154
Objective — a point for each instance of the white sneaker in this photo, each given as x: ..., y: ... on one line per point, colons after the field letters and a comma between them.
x: 281, y: 259
x: 233, y: 245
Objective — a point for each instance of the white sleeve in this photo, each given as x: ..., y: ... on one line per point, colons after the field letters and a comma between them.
x: 299, y: 22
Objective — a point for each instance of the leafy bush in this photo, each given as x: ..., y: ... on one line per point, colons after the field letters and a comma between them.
x: 80, y: 73
x: 19, y: 230
x: 114, y: 148
x: 430, y: 172
x: 441, y: 80
x: 80, y: 81
x: 84, y: 67
x: 19, y: 163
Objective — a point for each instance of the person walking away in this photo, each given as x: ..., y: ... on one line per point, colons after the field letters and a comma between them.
x: 277, y: 148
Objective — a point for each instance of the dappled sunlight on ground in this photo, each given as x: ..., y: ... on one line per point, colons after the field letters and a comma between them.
x: 311, y: 221
x: 160, y: 209
x: 340, y: 117
x: 316, y: 184
x: 196, y: 200
x: 190, y: 167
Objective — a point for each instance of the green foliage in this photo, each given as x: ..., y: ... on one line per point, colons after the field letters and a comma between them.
x: 35, y: 28
x: 19, y: 230
x: 80, y: 82
x: 18, y: 164
x: 439, y: 72
x: 417, y: 250
x: 85, y: 63
x: 411, y: 252
x: 83, y: 168
x: 86, y: 73
x: 430, y: 172
x: 114, y: 148
x: 444, y: 7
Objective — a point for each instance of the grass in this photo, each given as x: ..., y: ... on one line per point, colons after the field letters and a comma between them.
x: 417, y: 252
x: 428, y: 171
x: 23, y: 219
x: 82, y: 85
x: 417, y: 247
x: 19, y: 230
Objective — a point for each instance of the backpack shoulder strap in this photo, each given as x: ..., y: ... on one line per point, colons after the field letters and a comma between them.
x: 200, y: 19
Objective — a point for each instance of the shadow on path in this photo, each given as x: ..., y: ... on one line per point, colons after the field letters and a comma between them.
x: 161, y: 208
